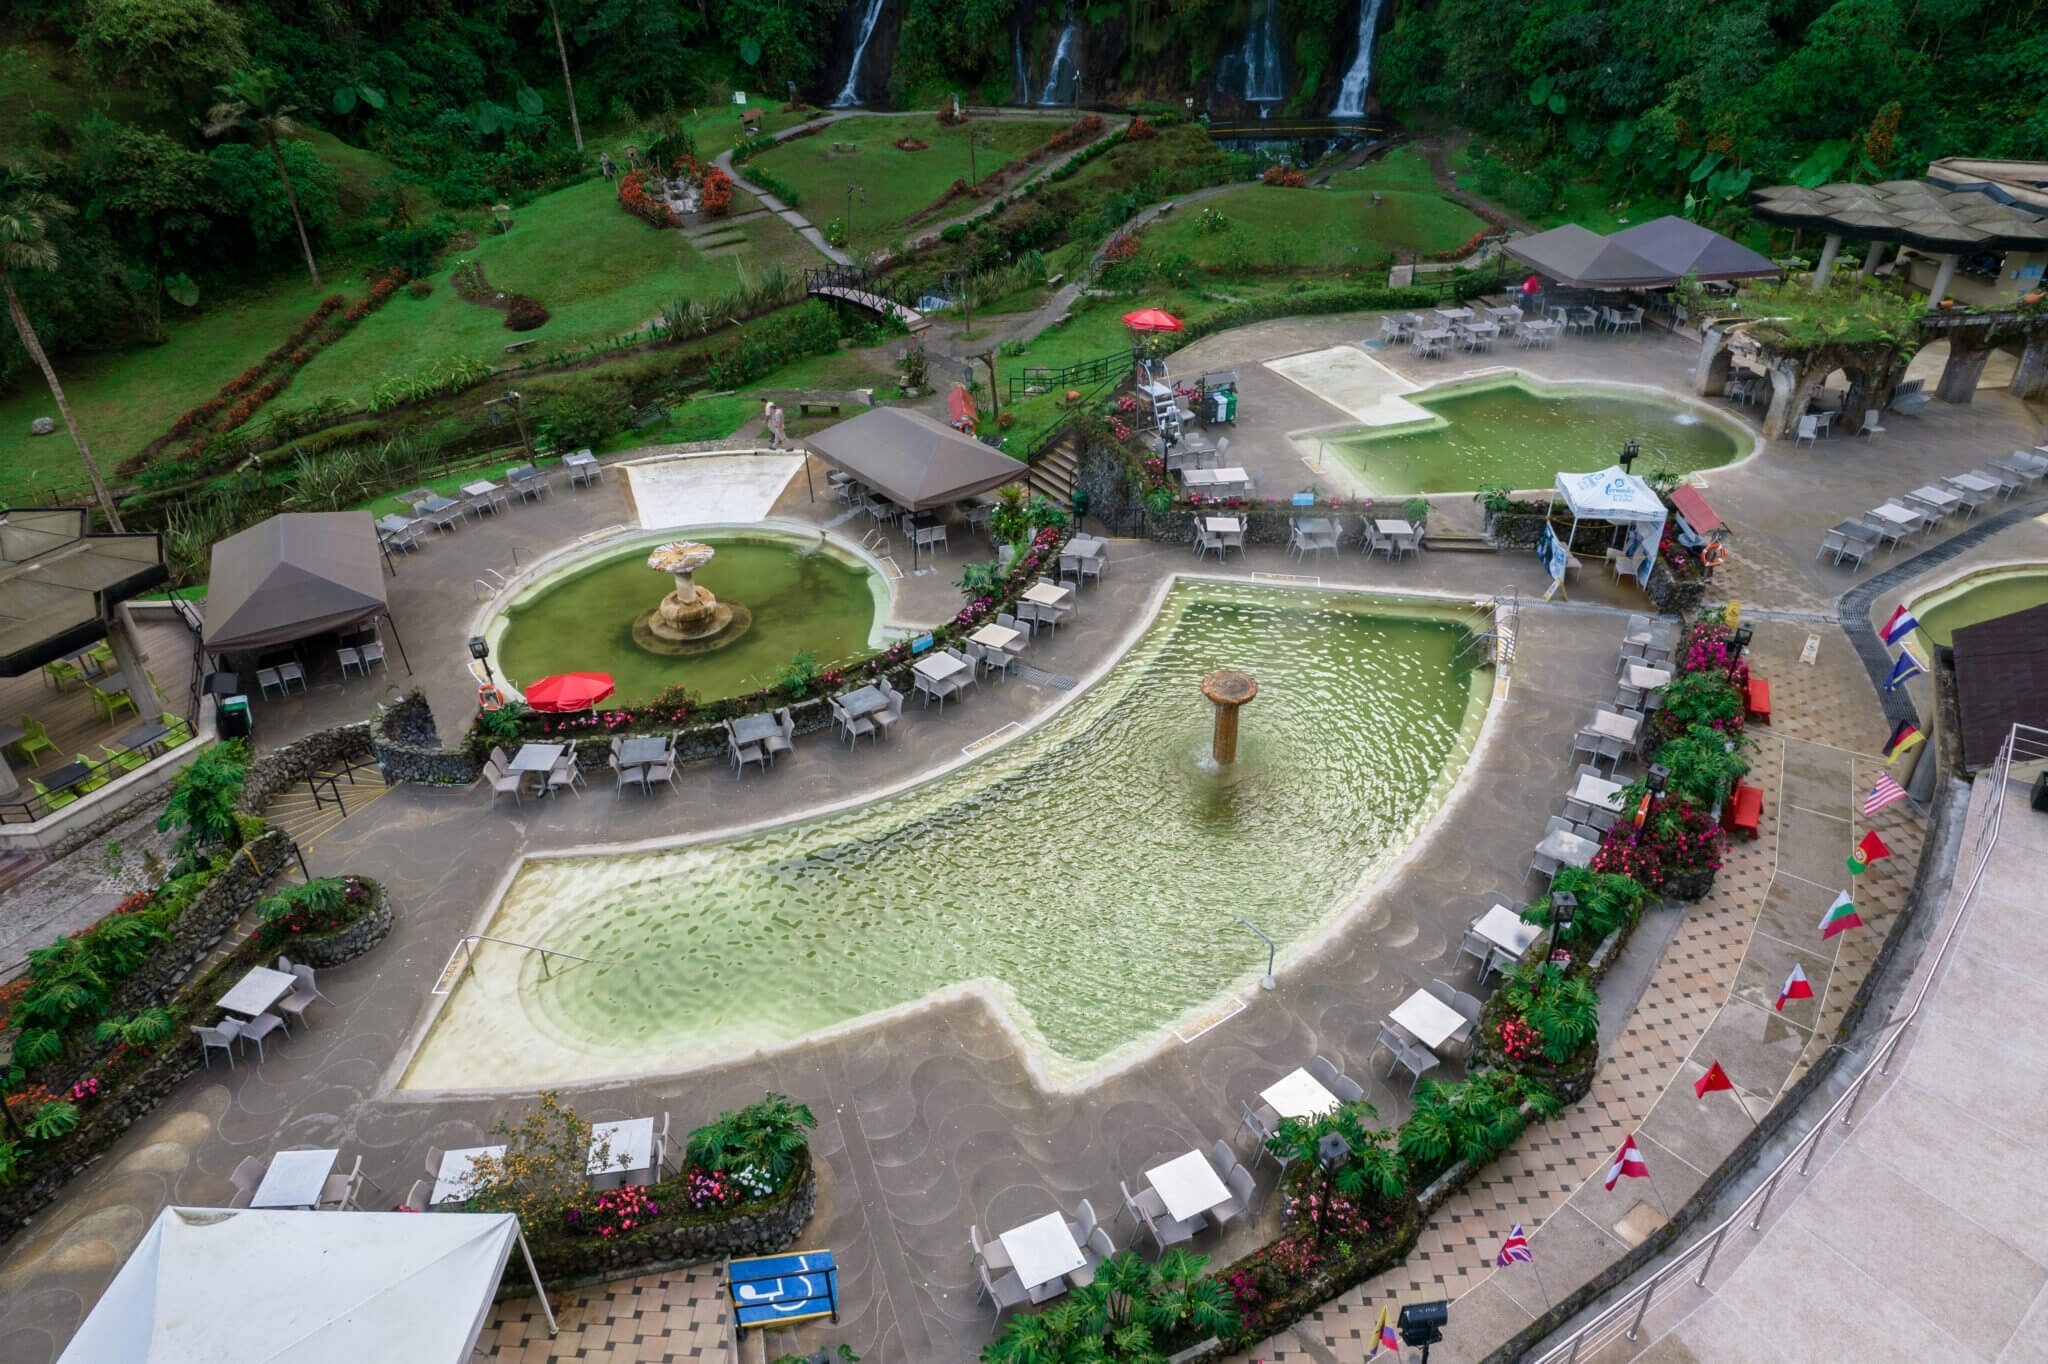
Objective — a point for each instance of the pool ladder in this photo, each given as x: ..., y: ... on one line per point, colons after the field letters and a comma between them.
x: 877, y: 544
x: 1494, y: 629
x: 462, y: 959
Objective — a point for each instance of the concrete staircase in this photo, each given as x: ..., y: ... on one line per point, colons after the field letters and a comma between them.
x: 1056, y: 472
x: 16, y: 867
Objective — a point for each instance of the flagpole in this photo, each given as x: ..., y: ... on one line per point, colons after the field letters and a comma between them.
x: 1737, y: 1095
x: 1539, y: 1281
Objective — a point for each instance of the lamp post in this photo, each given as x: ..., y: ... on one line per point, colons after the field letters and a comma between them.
x: 1653, y: 782
x: 480, y: 650
x: 980, y: 137
x: 851, y: 190
x: 1564, y: 907
x: 1629, y: 450
x: 1740, y: 640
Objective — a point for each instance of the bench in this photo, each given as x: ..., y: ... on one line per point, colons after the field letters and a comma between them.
x: 845, y: 147
x: 1757, y: 701
x: 1745, y: 809
x: 520, y: 345
x: 804, y: 406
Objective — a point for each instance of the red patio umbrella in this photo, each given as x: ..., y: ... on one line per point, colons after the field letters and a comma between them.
x: 1151, y: 320
x: 569, y: 691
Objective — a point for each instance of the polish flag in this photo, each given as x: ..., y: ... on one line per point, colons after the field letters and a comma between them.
x: 1796, y: 987
x: 1627, y: 1161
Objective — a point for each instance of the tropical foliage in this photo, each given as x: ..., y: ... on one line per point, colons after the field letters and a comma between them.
x: 769, y: 1135
x: 1559, y: 1003
x: 203, y: 800
x: 1133, y: 1311
x: 1473, y: 1119
x: 1606, y: 902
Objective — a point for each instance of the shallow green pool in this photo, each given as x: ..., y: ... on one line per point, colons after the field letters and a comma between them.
x: 802, y: 598
x: 1520, y: 437
x: 1979, y: 598
x: 1092, y: 873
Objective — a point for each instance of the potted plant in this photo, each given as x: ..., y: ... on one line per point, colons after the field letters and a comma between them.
x: 1008, y: 523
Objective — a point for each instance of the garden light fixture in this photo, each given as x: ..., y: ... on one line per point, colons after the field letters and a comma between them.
x: 480, y: 650
x: 1564, y: 907
x: 1331, y: 1151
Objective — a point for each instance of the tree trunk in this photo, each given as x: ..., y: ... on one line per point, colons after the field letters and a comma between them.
x: 34, y: 348
x: 567, y: 84
x: 291, y: 197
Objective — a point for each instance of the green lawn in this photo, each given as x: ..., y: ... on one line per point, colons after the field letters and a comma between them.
x: 703, y: 418
x: 899, y: 184
x: 1260, y: 227
x: 599, y: 270
x: 124, y: 401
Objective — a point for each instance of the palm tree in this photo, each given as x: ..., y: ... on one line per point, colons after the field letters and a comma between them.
x: 252, y: 102
x: 25, y: 214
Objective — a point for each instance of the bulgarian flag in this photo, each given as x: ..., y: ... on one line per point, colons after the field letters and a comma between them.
x: 1796, y: 987
x: 1869, y: 849
x: 1841, y: 915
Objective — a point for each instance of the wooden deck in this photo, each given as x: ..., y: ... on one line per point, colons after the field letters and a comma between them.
x: 71, y: 717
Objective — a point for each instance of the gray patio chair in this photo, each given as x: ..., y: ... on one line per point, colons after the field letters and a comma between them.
x: 1418, y: 1060
x: 1969, y: 497
x: 1239, y: 1182
x: 973, y: 665
x: 997, y: 661
x: 742, y: 754
x: 991, y: 1253
x: 1083, y: 1223
x: 622, y: 773
x: 566, y: 773
x: 349, y: 658
x: 1809, y: 430
x: 1347, y: 1089
x: 449, y: 517
x: 416, y: 1197
x: 260, y: 1027
x: 1261, y: 1122
x: 1005, y: 1293
x: 1206, y: 540
x: 266, y: 678
x: 339, y: 1193
x: 2007, y: 481
x: 1324, y: 1073
x: 1474, y: 946
x: 660, y: 1152
x: 221, y: 1035
x: 502, y: 781
x: 299, y: 1000
x: 435, y: 1155
x: 247, y: 1176
x: 1223, y: 1158
x: 885, y: 720
x: 1466, y: 1005
x: 855, y: 725
x: 784, y: 739
x: 664, y: 770
x: 1097, y: 1248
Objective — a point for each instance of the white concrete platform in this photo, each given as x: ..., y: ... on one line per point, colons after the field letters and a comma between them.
x: 707, y: 489
x: 1353, y: 382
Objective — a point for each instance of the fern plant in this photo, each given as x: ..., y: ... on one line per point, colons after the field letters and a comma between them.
x: 1374, y: 1167
x: 145, y: 1028
x: 1607, y: 901
x: 1561, y: 1005
x: 769, y: 1135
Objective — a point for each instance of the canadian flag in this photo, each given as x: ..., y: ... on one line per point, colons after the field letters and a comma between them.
x: 1627, y: 1161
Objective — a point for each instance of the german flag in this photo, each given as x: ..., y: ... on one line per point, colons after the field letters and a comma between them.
x: 1904, y: 737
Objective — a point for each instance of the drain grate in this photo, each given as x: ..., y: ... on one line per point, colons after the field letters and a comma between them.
x: 1039, y: 677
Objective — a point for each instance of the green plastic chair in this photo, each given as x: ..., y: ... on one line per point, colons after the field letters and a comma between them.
x: 180, y: 730
x: 127, y: 759
x: 98, y: 778
x: 34, y: 739
x: 50, y: 802
x: 62, y: 673
x: 110, y: 702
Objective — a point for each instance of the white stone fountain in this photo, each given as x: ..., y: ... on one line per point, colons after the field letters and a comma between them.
x: 689, y: 620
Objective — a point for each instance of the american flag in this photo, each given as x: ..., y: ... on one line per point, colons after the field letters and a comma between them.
x: 1884, y: 793
x: 1514, y: 1250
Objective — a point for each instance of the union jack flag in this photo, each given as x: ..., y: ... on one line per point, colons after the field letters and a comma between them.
x: 1514, y: 1250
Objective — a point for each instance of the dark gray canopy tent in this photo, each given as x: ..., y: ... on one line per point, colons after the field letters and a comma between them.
x: 59, y: 582
x: 1583, y: 258
x: 915, y: 461
x: 1685, y: 248
x: 2001, y: 681
x: 294, y: 576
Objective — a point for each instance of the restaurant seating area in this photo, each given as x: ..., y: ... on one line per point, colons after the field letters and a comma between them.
x: 1927, y: 506
x: 254, y: 1009
x: 480, y: 497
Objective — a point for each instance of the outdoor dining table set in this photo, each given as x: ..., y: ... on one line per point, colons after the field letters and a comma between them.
x: 1926, y: 506
x: 1084, y: 557
x: 480, y: 497
x: 254, y: 1008
x: 1389, y: 535
x: 305, y: 1180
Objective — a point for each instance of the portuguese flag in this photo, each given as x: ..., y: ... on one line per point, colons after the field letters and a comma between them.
x: 1869, y: 849
x: 1841, y: 915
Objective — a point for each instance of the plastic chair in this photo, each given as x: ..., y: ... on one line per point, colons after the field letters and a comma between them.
x: 991, y: 1253
x: 221, y: 1035
x: 260, y: 1027
x: 34, y: 739
x: 247, y: 1177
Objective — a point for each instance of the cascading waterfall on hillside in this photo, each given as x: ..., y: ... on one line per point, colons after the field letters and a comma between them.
x: 1020, y: 77
x: 851, y: 94
x: 1063, y: 77
x: 1257, y: 64
x: 1351, y: 95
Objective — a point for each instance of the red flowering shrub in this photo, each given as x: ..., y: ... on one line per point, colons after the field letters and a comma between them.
x: 1124, y: 246
x: 716, y: 193
x: 1139, y: 131
x: 1076, y: 134
x: 523, y: 314
x: 1680, y: 837
x: 634, y: 198
x: 1285, y: 177
x: 907, y: 143
x: 1470, y: 245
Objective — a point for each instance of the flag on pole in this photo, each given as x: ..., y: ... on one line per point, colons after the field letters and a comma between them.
x: 1796, y: 987
x: 1904, y: 736
x: 1841, y: 915
x: 1715, y: 1078
x: 1627, y: 1161
x: 1905, y: 667
x: 1384, y: 1337
x: 1514, y: 1250
x: 1883, y: 793
x: 1899, y: 626
x: 1868, y: 849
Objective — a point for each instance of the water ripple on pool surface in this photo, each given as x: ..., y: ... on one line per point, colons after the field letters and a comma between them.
x: 1093, y: 872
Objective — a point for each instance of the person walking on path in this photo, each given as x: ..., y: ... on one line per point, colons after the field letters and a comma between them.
x: 607, y: 165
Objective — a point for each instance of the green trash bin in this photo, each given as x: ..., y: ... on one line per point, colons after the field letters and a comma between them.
x: 234, y: 720
x: 1226, y: 405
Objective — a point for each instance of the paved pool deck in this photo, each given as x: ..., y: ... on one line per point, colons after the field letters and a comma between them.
x: 931, y: 1122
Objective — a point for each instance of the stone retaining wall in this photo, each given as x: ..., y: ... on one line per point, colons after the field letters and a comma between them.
x: 346, y: 944
x: 408, y: 747
x: 280, y: 769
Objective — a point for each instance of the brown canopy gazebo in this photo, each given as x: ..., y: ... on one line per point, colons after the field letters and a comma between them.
x: 915, y: 461
x: 294, y: 576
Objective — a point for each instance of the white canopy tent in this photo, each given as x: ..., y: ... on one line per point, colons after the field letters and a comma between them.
x: 1614, y: 494
x: 256, y: 1286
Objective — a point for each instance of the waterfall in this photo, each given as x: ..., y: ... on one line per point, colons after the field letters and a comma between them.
x: 1063, y: 66
x: 1020, y: 78
x: 1351, y: 95
x: 851, y: 94
x: 1259, y: 60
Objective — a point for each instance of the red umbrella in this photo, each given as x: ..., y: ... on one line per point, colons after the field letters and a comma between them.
x: 1151, y: 320
x: 569, y: 691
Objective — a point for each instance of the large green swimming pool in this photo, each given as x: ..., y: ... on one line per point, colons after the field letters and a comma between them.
x: 804, y: 598
x: 1978, y: 598
x: 1090, y: 875
x: 1510, y: 434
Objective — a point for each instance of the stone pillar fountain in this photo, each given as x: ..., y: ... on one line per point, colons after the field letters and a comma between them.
x: 689, y: 620
x: 1227, y: 689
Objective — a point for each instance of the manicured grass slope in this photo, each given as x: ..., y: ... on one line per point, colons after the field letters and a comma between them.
x: 599, y: 271
x: 899, y: 184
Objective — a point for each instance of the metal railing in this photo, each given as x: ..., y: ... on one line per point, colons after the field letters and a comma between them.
x: 2023, y: 743
x: 1036, y: 379
x: 465, y: 948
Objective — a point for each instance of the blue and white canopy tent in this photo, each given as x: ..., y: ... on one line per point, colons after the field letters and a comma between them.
x: 1613, y: 495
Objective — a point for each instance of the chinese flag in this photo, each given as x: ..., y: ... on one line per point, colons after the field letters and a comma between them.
x: 1715, y: 1078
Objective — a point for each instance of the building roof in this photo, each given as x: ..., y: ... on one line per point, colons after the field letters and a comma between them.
x: 1685, y: 248
x: 911, y: 459
x: 2021, y: 184
x: 2001, y: 680
x: 1690, y: 503
x: 295, y: 575
x: 1583, y: 258
x: 59, y: 581
x: 1913, y: 212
